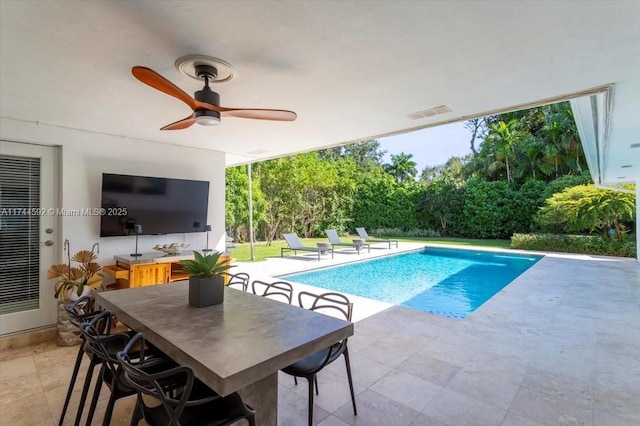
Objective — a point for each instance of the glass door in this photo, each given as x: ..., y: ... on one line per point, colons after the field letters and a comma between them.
x: 28, y: 229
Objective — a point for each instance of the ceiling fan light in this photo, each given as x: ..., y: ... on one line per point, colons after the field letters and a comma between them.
x: 207, y: 120
x: 206, y: 117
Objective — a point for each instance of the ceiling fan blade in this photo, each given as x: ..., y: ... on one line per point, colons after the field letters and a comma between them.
x: 181, y: 124
x: 259, y: 114
x: 155, y: 80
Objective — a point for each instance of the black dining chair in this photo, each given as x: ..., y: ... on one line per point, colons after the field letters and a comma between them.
x: 184, y: 399
x: 277, y: 290
x: 240, y: 280
x: 104, y: 347
x: 334, y: 304
x: 79, y: 311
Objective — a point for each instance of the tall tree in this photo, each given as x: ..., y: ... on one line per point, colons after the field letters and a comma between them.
x: 366, y: 154
x: 441, y: 202
x: 479, y: 127
x: 401, y: 167
x: 502, y: 141
x: 564, y: 151
x: 305, y: 193
x: 237, y: 202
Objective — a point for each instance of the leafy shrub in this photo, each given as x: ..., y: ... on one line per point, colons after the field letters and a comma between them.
x: 440, y: 204
x: 585, y: 208
x: 585, y: 244
x: 564, y: 182
x: 381, y: 202
x: 486, y: 210
x: 524, y: 205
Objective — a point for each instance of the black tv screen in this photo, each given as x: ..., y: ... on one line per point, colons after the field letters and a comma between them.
x: 159, y: 205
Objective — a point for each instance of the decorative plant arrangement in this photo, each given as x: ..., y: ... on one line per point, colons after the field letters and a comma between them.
x: 206, y: 278
x: 72, y: 280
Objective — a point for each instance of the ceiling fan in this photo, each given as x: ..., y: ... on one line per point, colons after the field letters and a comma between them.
x: 205, y: 103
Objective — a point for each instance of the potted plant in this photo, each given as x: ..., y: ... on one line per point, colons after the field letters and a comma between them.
x: 72, y: 282
x: 75, y: 281
x: 206, y: 278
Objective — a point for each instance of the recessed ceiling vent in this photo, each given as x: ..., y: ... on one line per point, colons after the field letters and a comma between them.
x: 442, y: 109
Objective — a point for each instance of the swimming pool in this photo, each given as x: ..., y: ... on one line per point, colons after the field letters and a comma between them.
x: 449, y: 282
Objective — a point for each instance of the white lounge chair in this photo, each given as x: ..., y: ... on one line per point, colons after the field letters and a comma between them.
x: 295, y: 245
x: 335, y: 241
x: 363, y: 234
x: 228, y: 241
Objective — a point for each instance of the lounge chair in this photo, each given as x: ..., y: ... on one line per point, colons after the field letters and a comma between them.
x: 334, y: 238
x: 295, y: 245
x: 363, y: 234
x: 228, y: 242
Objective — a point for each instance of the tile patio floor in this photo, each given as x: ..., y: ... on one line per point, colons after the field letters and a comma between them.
x: 559, y: 346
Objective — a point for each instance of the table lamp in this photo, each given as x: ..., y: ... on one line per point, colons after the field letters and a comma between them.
x: 137, y: 229
x: 207, y: 228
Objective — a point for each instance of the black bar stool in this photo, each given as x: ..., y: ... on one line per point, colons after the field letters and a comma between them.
x: 79, y: 311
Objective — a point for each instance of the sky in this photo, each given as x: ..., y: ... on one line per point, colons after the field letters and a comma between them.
x: 431, y: 146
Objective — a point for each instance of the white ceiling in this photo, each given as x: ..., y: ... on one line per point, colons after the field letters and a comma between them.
x: 351, y: 70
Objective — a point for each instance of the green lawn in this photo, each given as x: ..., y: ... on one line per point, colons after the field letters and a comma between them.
x: 262, y: 251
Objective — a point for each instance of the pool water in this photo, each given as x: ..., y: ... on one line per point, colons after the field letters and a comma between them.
x: 448, y: 282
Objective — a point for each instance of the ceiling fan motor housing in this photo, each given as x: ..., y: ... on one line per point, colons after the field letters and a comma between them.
x: 205, y: 116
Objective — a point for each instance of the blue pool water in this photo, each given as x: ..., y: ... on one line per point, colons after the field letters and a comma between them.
x: 447, y: 282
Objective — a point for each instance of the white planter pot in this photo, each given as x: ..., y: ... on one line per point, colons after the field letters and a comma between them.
x: 72, y: 295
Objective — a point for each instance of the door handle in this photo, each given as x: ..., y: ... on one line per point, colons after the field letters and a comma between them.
x: 47, y: 243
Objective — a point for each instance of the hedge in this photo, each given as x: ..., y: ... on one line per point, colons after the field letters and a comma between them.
x: 585, y: 244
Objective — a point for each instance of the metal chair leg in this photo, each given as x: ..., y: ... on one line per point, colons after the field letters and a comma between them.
x: 96, y: 394
x: 72, y: 383
x: 311, y: 380
x: 137, y: 413
x: 85, y: 390
x: 348, y: 364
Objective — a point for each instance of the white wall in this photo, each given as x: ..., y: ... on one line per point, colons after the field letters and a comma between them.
x: 86, y: 155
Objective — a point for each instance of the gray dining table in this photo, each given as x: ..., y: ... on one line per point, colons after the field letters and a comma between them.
x: 239, y: 345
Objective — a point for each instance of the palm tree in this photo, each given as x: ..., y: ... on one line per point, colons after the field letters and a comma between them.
x: 401, y: 167
x: 563, y: 150
x: 503, y: 139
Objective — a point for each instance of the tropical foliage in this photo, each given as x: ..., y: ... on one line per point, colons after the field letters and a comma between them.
x: 402, y: 167
x: 586, y: 208
x: 518, y: 161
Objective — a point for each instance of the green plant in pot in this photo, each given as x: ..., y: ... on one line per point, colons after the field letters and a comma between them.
x: 206, y: 278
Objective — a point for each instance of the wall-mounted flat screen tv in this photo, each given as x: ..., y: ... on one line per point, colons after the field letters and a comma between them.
x: 159, y: 205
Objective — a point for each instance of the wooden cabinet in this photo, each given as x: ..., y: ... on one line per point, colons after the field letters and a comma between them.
x: 149, y: 274
x: 149, y: 269
x: 138, y: 275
